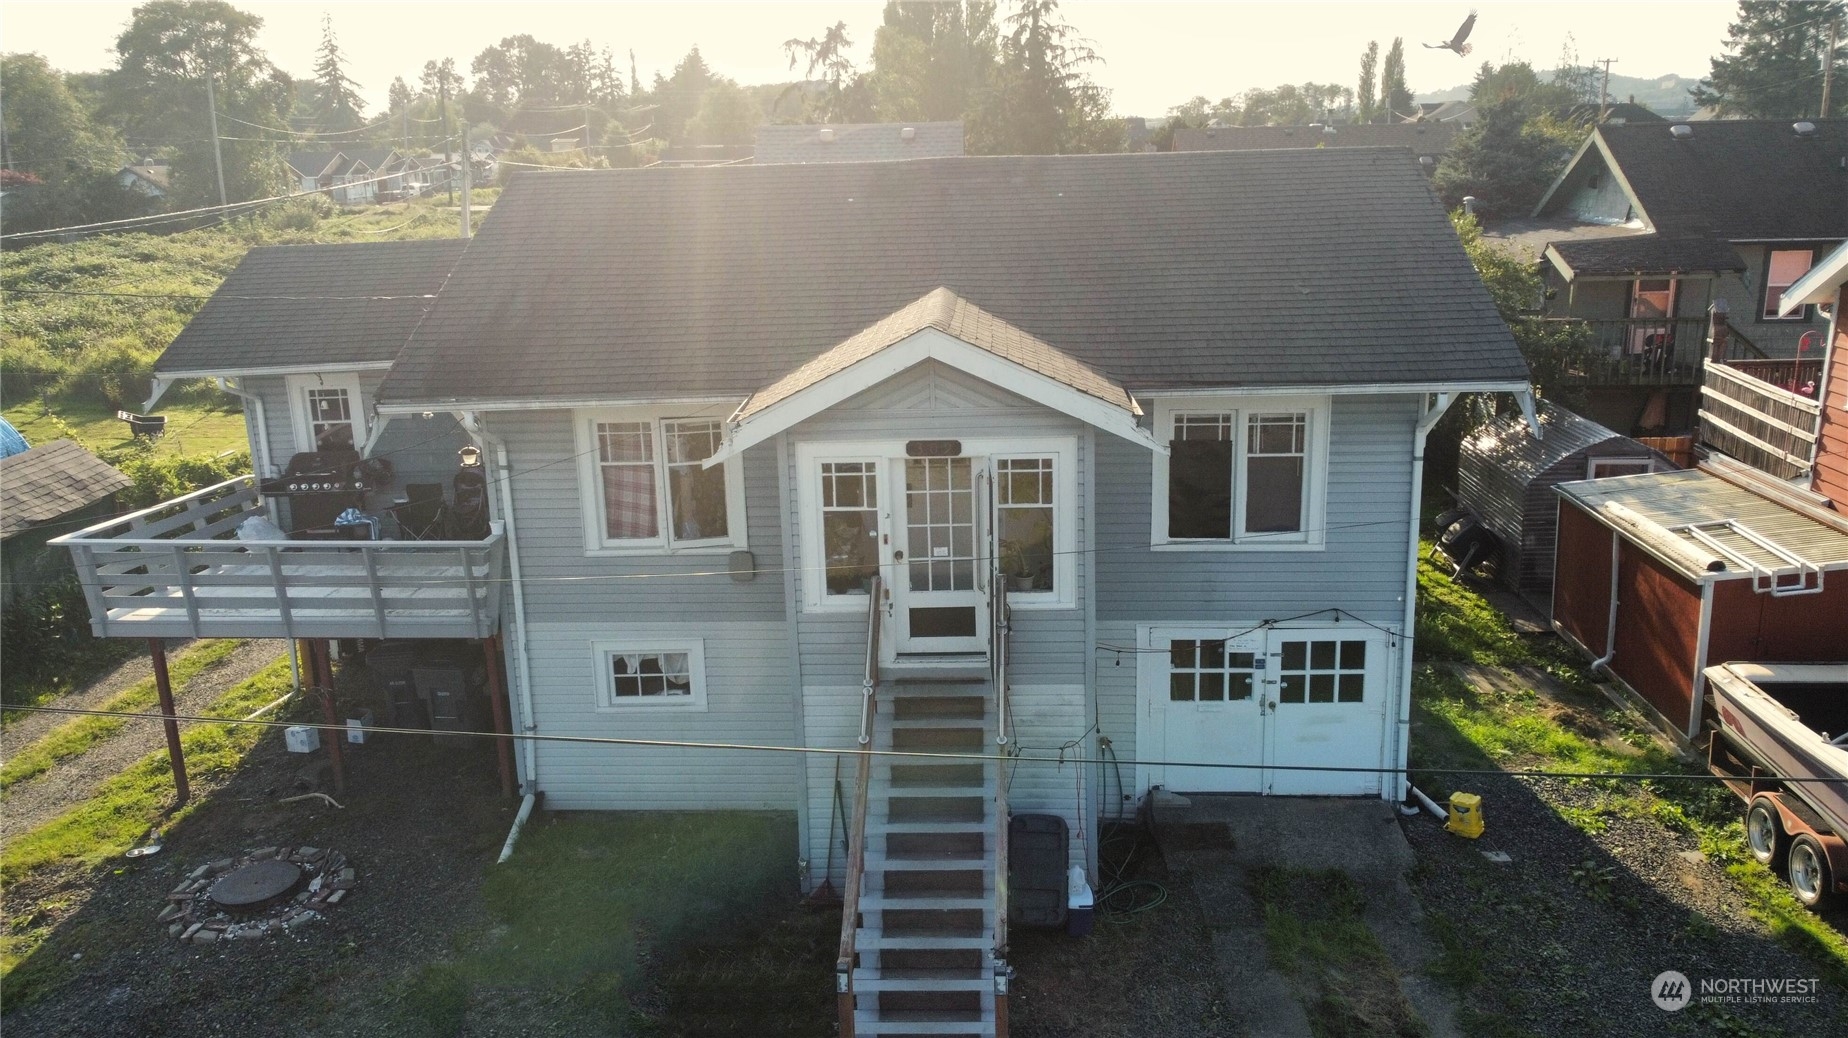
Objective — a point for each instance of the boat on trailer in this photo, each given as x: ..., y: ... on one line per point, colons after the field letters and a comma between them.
x: 1782, y: 745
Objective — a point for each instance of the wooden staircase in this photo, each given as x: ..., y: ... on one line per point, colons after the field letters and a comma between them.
x: 926, y: 933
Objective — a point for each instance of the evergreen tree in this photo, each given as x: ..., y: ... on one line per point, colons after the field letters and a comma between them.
x: 933, y: 60
x: 635, y: 78
x: 399, y: 97
x: 340, y: 101
x: 841, y: 83
x: 1774, y: 62
x: 1042, y: 102
x: 1368, y: 95
x: 1506, y: 160
x: 1394, y: 94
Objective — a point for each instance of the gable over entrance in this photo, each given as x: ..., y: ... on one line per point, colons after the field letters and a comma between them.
x: 946, y: 328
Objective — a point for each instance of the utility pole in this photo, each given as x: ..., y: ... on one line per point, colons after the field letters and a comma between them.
x: 1604, y: 91
x: 1825, y: 107
x: 468, y: 177
x: 448, y: 167
x: 1828, y: 66
x: 218, y: 156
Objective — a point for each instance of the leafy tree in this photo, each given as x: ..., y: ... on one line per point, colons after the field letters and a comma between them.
x: 523, y: 71
x: 933, y: 60
x: 727, y: 115
x: 399, y: 97
x: 1553, y: 349
x: 678, y: 97
x: 1774, y: 62
x: 1506, y: 160
x: 1517, y: 80
x: 65, y: 162
x: 842, y: 90
x: 158, y: 91
x: 341, y: 104
x: 1394, y: 94
x: 439, y: 76
x: 1576, y: 79
x: 1042, y: 102
x: 1368, y: 94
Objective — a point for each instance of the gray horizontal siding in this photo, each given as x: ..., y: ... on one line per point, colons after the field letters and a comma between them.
x: 563, y: 582
x: 749, y: 700
x: 421, y: 450
x: 1361, y: 569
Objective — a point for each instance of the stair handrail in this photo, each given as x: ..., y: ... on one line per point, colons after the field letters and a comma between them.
x: 856, y: 847
x: 1002, y: 625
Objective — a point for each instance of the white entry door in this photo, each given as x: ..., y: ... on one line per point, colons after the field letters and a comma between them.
x: 1243, y: 714
x: 940, y: 581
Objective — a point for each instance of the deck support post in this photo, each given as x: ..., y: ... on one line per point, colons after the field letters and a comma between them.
x: 324, y: 677
x: 157, y: 649
x: 497, y: 698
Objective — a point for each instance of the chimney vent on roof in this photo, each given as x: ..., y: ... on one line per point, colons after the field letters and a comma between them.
x: 1681, y: 131
x: 1804, y: 128
x: 827, y: 135
x: 908, y: 133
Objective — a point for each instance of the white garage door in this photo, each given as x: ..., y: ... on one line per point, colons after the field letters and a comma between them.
x: 1259, y: 712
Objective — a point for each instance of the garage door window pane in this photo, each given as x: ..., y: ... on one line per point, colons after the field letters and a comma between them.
x: 1324, y: 671
x: 1293, y: 685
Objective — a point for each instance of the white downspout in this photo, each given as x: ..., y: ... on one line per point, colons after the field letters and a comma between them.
x: 471, y: 421
x: 1428, y: 418
x: 1610, y: 624
x: 261, y: 463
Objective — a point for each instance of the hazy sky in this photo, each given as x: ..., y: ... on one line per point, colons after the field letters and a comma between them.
x: 1158, y: 53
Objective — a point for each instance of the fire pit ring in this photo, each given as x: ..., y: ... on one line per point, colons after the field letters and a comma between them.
x: 256, y: 886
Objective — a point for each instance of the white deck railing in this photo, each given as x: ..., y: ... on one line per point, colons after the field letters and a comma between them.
x: 177, y: 570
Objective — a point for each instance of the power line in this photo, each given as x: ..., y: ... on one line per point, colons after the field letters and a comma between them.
x: 1004, y: 758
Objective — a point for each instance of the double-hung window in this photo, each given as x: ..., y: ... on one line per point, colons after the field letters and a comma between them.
x: 1248, y: 473
x: 1783, y: 268
x: 648, y: 488
x: 327, y: 412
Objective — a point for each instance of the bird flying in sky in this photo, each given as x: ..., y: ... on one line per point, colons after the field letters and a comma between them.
x: 1456, y: 42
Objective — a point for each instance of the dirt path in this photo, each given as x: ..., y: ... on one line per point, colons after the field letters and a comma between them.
x: 27, y: 727
x: 70, y: 781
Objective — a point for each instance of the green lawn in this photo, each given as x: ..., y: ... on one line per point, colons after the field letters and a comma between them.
x: 192, y: 428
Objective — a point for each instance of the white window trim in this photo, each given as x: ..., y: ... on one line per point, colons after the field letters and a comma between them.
x: 1315, y: 504
x: 810, y: 455
x: 298, y: 387
x: 607, y: 701
x: 1593, y: 464
x: 1768, y: 315
x: 590, y: 488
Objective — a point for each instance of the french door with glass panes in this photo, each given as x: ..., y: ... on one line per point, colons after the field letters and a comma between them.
x: 1263, y: 711
x: 940, y: 556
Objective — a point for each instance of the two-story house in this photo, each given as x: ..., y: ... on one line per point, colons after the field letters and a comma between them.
x: 1652, y: 227
x: 1012, y: 485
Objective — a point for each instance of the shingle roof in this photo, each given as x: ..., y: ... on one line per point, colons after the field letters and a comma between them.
x: 943, y: 310
x: 313, y: 304
x: 1426, y: 138
x: 51, y: 480
x: 858, y: 142
x: 1158, y: 270
x: 1645, y: 254
x: 1738, y: 179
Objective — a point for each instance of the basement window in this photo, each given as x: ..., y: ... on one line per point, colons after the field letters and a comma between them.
x: 643, y: 676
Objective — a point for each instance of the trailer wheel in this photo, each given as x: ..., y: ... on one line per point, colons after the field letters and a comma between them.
x: 1764, y: 833
x: 1808, y: 871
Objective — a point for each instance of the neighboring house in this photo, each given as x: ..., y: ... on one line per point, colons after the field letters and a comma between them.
x: 1058, y: 458
x: 1651, y: 225
x: 1462, y: 113
x: 1662, y: 575
x: 858, y: 142
x: 1506, y: 475
x: 48, y: 490
x: 153, y: 181
x: 1427, y: 140
x: 350, y: 176
x: 691, y: 155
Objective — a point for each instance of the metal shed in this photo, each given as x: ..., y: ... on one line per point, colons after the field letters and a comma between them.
x: 1506, y: 475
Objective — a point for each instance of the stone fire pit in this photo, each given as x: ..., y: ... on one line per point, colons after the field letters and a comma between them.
x: 269, y: 890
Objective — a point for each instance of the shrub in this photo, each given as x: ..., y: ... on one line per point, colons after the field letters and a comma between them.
x: 158, y: 479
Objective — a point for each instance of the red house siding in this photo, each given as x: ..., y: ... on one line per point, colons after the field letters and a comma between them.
x: 1795, y: 629
x: 1582, y: 577
x: 1832, y: 442
x: 1658, y: 629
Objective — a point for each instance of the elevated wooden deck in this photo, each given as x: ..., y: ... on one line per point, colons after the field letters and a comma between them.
x: 178, y: 570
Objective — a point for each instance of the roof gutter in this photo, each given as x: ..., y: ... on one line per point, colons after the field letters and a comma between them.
x: 280, y: 369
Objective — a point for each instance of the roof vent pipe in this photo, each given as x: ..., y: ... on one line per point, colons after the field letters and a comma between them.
x: 908, y: 133
x: 1681, y: 131
x: 1804, y: 128
x: 827, y: 135
x: 1469, y: 204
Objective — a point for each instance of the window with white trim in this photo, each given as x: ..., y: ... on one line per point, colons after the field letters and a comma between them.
x: 1600, y: 468
x: 1784, y: 268
x: 850, y: 526
x: 1240, y: 475
x: 1025, y: 513
x: 651, y: 675
x: 327, y: 411
x: 647, y: 487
